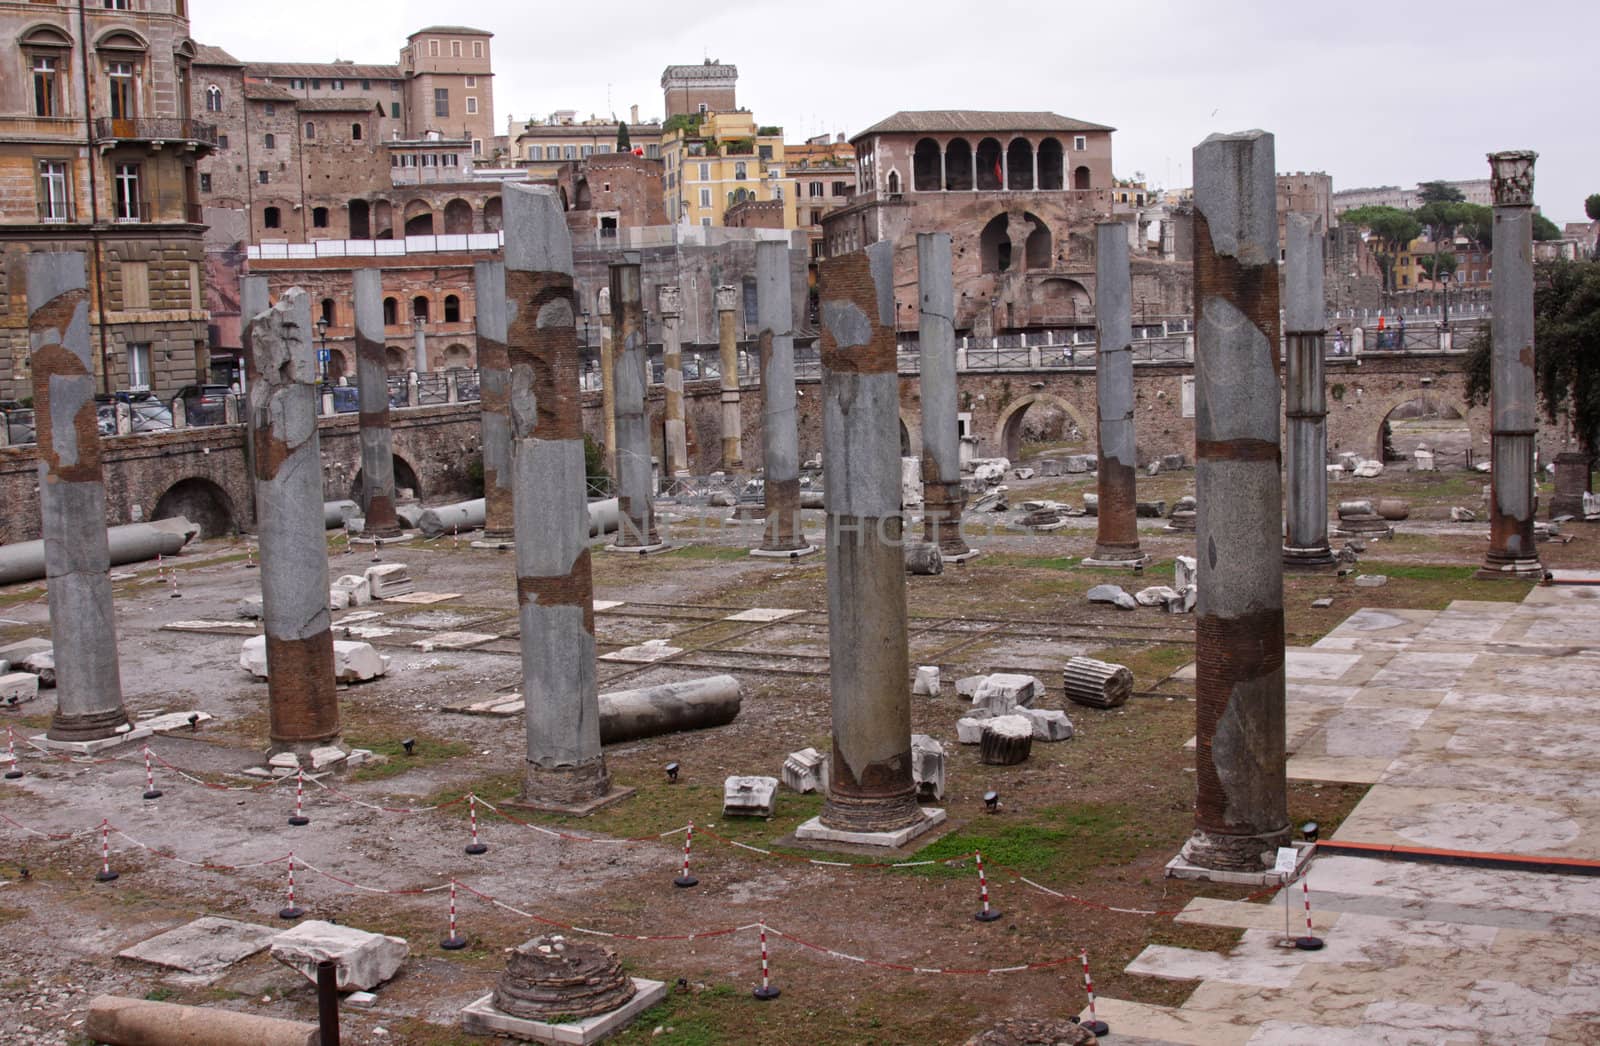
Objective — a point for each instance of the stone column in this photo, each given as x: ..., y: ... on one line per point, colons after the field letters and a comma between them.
x: 608, y: 394
x: 555, y: 589
x: 302, y: 705
x: 943, y: 500
x: 871, y: 795
x: 669, y: 301
x: 1512, y: 392
x: 420, y: 336
x: 1117, y: 534
x: 1241, y: 810
x: 1306, y: 399
x: 72, y: 502
x: 727, y: 302
x: 372, y: 380
x: 781, y: 535
x: 494, y: 396
x: 636, y: 531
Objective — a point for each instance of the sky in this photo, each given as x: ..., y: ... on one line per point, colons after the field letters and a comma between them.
x: 1373, y: 93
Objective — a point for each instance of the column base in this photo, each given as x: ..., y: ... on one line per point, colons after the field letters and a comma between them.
x: 1510, y: 568
x: 815, y: 831
x: 93, y: 726
x: 1181, y: 868
x: 505, y: 544
x: 643, y: 550
x: 783, y: 553
x: 575, y: 790
x: 1319, y: 558
x: 364, y: 538
x: 960, y: 557
x: 1211, y: 855
x: 386, y: 533
x: 1116, y: 558
x: 749, y: 511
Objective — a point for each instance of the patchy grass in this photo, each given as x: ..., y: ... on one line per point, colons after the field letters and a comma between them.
x: 707, y: 552
x: 429, y: 750
x: 1062, y: 840
x: 1150, y: 664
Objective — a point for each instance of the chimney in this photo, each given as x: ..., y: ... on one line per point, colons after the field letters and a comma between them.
x: 633, y: 114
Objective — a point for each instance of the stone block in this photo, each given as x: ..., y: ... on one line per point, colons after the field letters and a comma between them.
x: 481, y: 1018
x: 1049, y: 724
x: 1023, y: 473
x: 1091, y: 505
x: 1153, y: 469
x: 362, y: 960
x: 1003, y: 692
x: 927, y: 681
x: 1185, y: 572
x: 41, y: 664
x: 1155, y: 596
x: 357, y: 662
x: 389, y: 579
x: 249, y: 608
x: 1371, y: 580
x: 1422, y: 461
x: 927, y: 767
x: 18, y: 688
x: 356, y: 588
x: 1006, y: 741
x: 806, y: 771
x: 1173, y: 462
x: 1114, y: 595
x: 749, y: 796
x: 202, y: 950
x: 1098, y: 684
x: 1080, y: 463
x: 1369, y: 469
x: 253, y: 656
x: 327, y: 757
x: 969, y: 729
x: 923, y: 558
x: 1348, y: 461
x: 1151, y: 509
x: 1463, y: 515
x: 967, y: 686
x: 910, y: 481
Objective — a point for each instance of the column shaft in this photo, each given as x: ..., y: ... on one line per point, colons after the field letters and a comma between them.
x: 1117, y: 540
x: 72, y: 501
x: 780, y: 432
x: 727, y: 301
x: 372, y: 380
x: 494, y: 395
x: 302, y: 703
x: 635, y: 502
x: 669, y: 301
x: 943, y: 500
x: 871, y: 787
x: 1305, y: 398
x: 608, y: 397
x: 555, y: 588
x: 1241, y: 812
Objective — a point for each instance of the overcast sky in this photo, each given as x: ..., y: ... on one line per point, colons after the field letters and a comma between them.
x: 1374, y: 93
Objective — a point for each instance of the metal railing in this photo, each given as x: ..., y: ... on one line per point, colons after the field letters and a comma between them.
x: 154, y: 129
x: 432, y: 389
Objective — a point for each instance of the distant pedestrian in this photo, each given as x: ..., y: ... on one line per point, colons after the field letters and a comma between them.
x: 1338, y: 340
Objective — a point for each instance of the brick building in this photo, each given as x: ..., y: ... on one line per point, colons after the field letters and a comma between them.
x: 542, y: 146
x: 824, y: 174
x: 98, y: 155
x: 1019, y: 193
x: 706, y: 88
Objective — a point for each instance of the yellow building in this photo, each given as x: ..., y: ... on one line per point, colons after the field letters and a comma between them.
x: 714, y: 160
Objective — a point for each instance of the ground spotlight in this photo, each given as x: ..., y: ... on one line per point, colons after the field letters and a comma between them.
x: 672, y: 773
x: 409, y: 744
x: 991, y: 801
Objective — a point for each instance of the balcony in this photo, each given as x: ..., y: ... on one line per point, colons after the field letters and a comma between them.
x: 157, y: 131
x: 127, y: 212
x: 54, y: 212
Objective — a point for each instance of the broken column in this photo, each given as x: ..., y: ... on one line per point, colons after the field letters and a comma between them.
x: 1306, y: 399
x: 494, y: 396
x: 669, y: 302
x: 555, y: 589
x: 372, y: 379
x: 872, y: 797
x: 781, y: 535
x: 943, y: 498
x: 727, y: 302
x: 1241, y: 808
x: 1117, y: 541
x: 302, y: 705
x: 635, y: 500
x: 1512, y: 390
x: 608, y: 386
x: 72, y: 502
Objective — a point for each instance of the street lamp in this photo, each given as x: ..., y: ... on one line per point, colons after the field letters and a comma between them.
x: 322, y: 351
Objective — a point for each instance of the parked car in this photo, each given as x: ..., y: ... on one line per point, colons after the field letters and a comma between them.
x: 19, y: 425
x: 149, y: 416
x: 346, y: 399
x: 204, y: 404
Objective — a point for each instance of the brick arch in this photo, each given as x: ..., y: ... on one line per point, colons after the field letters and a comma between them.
x: 202, y: 502
x: 910, y: 435
x: 1007, y: 439
x: 404, y: 476
x: 1445, y: 396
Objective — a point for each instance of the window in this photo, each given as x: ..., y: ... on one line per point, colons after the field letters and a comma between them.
x: 119, y: 77
x: 455, y: 48
x: 1080, y: 143
x: 705, y: 172
x: 653, y: 151
x: 138, y: 351
x: 452, y: 309
x: 272, y: 218
x: 705, y: 197
x: 705, y: 221
x: 269, y: 109
x: 270, y: 141
x: 337, y: 85
x: 297, y: 84
x: 472, y: 105
x: 355, y: 132
x: 764, y: 152
x: 739, y: 171
x: 135, y: 285
x: 53, y: 205
x: 840, y: 189
x: 125, y: 192
x: 569, y: 152
x: 472, y: 81
x: 205, y: 183
x: 311, y: 129
x: 394, y: 110
x: 419, y: 307
x: 327, y: 311
x: 116, y: 5
x: 366, y: 85
x: 222, y: 141
x: 815, y: 188
x: 316, y: 85
x: 319, y: 217
x: 46, y: 89
x: 213, y: 99
x: 588, y: 151
x: 477, y: 149
x: 535, y: 152
x: 441, y: 101
x: 262, y: 177
x: 702, y: 107
x: 433, y: 49
x: 391, y: 312
x: 477, y: 48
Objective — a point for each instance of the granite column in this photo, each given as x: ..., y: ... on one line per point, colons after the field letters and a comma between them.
x: 1305, y: 399
x: 943, y: 499
x: 372, y: 381
x: 494, y: 396
x: 781, y: 534
x: 636, y: 531
x: 727, y: 303
x: 1117, y: 523
x: 669, y: 302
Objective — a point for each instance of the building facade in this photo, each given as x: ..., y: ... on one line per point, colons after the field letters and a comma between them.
x: 98, y: 155
x: 710, y: 87
x: 714, y: 160
x: 543, y: 146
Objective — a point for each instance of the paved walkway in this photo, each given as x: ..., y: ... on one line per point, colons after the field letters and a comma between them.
x: 1478, y: 728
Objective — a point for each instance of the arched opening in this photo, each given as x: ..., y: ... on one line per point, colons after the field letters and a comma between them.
x: 201, y: 502
x: 958, y: 166
x: 1019, y: 164
x: 271, y: 218
x: 1037, y: 249
x: 581, y: 196
x: 457, y: 218
x: 994, y: 244
x: 457, y: 357
x: 925, y: 163
x: 360, y: 220
x: 405, y: 478
x: 419, y: 307
x: 990, y: 174
x: 1063, y: 301
x: 319, y: 217
x: 1425, y: 422
x: 1080, y: 177
x: 391, y: 311
x: 383, y: 220
x: 894, y: 183
x: 492, y: 220
x: 1052, y: 167
x: 1041, y: 424
x: 419, y: 218
x: 452, y: 309
x: 338, y: 366
x: 325, y: 311
x: 355, y: 132
x: 394, y: 360
x: 905, y: 440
